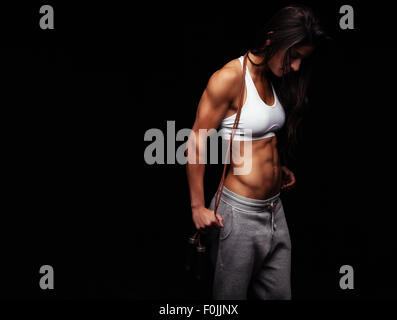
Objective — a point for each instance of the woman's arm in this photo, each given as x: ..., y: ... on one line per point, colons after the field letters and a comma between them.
x: 214, y: 103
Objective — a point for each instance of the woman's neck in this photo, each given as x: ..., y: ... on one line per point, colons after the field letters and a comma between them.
x: 256, y: 71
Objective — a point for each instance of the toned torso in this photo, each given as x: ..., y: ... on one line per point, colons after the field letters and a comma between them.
x: 264, y: 179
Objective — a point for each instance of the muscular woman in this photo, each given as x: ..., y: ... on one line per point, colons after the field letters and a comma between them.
x: 251, y: 247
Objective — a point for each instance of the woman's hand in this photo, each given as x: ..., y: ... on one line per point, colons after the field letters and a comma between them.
x: 204, y: 219
x: 287, y: 178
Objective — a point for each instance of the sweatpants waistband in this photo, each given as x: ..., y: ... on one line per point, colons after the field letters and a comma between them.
x: 248, y: 204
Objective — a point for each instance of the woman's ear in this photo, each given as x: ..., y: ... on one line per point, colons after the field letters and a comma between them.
x: 268, y: 41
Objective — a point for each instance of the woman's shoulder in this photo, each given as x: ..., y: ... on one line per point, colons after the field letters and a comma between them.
x: 234, y: 63
x: 229, y: 74
x: 232, y: 68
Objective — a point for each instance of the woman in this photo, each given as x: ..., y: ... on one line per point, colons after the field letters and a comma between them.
x: 251, y: 247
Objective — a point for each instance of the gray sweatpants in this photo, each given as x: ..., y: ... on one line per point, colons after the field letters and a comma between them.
x: 251, y: 254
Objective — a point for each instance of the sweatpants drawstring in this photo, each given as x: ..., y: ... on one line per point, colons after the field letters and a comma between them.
x: 272, y: 207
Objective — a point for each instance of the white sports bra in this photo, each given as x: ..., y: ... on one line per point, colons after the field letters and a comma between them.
x: 257, y: 119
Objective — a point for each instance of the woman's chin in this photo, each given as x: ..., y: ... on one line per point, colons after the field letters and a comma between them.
x: 278, y: 74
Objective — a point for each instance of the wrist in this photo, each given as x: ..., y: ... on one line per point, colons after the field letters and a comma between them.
x: 197, y: 207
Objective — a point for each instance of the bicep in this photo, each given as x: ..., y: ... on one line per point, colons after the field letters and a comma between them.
x: 210, y: 112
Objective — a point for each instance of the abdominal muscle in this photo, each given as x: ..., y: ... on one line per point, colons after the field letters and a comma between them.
x: 264, y: 179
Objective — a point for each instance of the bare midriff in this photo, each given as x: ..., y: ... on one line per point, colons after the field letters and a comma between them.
x: 264, y: 179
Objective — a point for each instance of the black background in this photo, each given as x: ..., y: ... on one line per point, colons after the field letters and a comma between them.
x: 78, y: 195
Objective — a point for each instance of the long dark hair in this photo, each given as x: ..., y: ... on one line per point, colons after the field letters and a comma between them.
x: 291, y: 26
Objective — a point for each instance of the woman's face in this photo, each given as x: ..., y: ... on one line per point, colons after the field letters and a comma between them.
x: 298, y: 53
